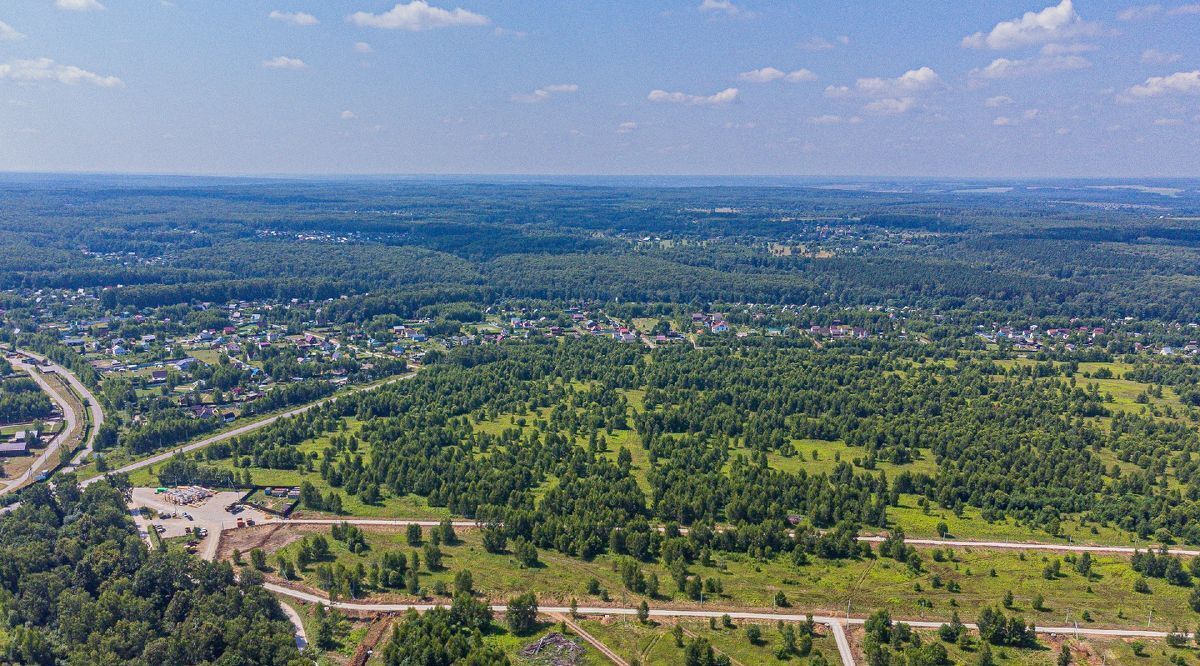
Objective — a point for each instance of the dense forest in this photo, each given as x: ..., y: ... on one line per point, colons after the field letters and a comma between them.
x: 404, y: 245
x: 21, y: 400
x: 661, y: 378
x: 78, y: 586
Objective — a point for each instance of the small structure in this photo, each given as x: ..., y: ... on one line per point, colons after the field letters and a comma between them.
x: 14, y: 448
x: 188, y: 495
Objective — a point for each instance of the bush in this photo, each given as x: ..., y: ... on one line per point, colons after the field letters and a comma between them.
x: 521, y: 614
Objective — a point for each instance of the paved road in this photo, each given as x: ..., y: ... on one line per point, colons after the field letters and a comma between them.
x: 249, y: 427
x: 294, y: 617
x: 92, y: 404
x: 70, y: 423
x: 839, y: 637
x: 70, y: 418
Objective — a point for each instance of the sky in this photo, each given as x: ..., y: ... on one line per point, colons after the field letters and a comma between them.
x: 895, y: 88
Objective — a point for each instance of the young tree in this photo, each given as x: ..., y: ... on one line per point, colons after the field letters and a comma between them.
x: 464, y: 582
x: 258, y: 559
x: 521, y: 614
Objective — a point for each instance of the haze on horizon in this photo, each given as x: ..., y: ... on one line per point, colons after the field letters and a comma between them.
x: 1024, y: 88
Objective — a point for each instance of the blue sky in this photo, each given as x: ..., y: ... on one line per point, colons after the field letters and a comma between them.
x: 726, y: 87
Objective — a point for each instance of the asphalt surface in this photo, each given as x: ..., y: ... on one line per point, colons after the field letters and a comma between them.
x: 71, y: 419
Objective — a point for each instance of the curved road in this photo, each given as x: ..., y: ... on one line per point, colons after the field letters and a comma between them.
x: 70, y: 418
x: 241, y: 430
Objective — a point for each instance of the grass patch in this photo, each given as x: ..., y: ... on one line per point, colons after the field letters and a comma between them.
x: 822, y: 585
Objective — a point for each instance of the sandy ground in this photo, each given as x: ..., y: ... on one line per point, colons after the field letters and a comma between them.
x: 270, y: 537
x: 209, y: 514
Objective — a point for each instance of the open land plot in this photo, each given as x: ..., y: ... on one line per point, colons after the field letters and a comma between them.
x: 981, y: 576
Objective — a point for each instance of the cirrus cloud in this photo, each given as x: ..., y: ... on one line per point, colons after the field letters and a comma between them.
x: 9, y: 33
x: 418, y: 16
x: 726, y: 96
x: 1139, y: 12
x: 45, y: 69
x: 1052, y: 24
x: 79, y: 5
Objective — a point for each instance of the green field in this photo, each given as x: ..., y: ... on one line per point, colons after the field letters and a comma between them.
x: 822, y: 585
x: 653, y: 644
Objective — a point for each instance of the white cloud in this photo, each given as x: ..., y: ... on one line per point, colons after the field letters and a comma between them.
x: 544, y: 93
x: 1168, y: 122
x: 764, y: 75
x: 416, y: 16
x: 890, y: 106
x: 9, y: 33
x: 626, y: 127
x: 798, y: 75
x: 997, y: 101
x: 362, y: 47
x: 79, y: 5
x: 284, y: 62
x: 1052, y: 24
x: 830, y: 119
x: 348, y: 115
x: 294, y: 18
x: 912, y: 81
x: 716, y: 99
x: 1030, y: 114
x: 1186, y: 10
x: 719, y: 6
x: 1062, y: 131
x: 1007, y: 68
x: 1002, y: 121
x: 45, y: 69
x: 768, y: 74
x: 1157, y: 86
x: 1156, y: 57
